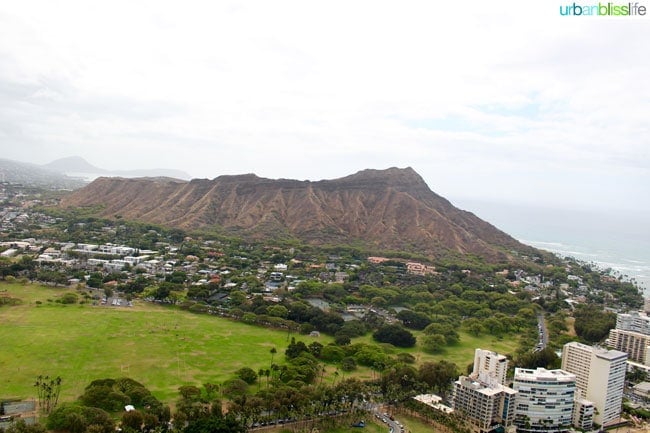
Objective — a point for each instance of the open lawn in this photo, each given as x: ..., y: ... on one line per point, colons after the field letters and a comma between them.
x: 161, y: 347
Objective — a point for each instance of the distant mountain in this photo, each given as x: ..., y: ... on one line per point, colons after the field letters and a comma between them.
x: 35, y: 175
x: 387, y: 209
x: 73, y: 164
x: 77, y: 166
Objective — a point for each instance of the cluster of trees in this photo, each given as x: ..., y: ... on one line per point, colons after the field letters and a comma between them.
x: 545, y: 358
x: 592, y: 324
x: 48, y: 391
x: 23, y: 268
x: 92, y: 410
x: 294, y: 392
x: 113, y: 394
x: 395, y: 335
x: 76, y: 418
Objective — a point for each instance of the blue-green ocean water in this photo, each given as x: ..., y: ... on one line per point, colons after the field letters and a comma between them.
x: 614, y: 239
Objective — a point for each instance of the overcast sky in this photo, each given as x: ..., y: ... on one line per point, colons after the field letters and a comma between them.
x: 500, y: 100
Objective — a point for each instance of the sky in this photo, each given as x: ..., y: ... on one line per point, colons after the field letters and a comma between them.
x: 491, y: 100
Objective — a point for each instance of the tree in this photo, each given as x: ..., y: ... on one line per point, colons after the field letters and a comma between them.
x: 78, y: 419
x: 342, y: 339
x: 331, y: 353
x: 20, y: 426
x: 247, y: 374
x: 348, y: 364
x: 473, y: 326
x: 636, y: 375
x: 278, y: 311
x: 414, y: 320
x: 545, y: 358
x: 395, y: 335
x: 273, y: 352
x: 48, y: 392
x: 211, y: 390
x: 433, y: 343
x: 215, y: 424
x: 69, y: 298
x: 234, y: 387
x: 295, y: 348
x: 113, y: 394
x: 315, y: 348
x: 190, y: 392
x: 446, y: 329
x: 133, y: 419
x: 592, y: 323
x: 438, y: 375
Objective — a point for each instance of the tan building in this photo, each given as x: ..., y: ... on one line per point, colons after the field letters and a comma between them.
x: 635, y: 344
x: 600, y: 377
x: 483, y: 406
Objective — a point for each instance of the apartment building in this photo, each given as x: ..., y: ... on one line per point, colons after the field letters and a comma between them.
x: 489, y: 367
x: 600, y: 377
x: 635, y: 344
x: 485, y: 407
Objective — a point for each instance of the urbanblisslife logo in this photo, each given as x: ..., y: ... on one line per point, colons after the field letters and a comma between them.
x: 603, y: 10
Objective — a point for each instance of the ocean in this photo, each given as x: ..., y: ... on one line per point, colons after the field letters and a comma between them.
x: 619, y: 240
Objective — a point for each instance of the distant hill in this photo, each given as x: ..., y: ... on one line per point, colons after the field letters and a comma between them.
x: 35, y: 175
x: 77, y: 166
x: 73, y: 164
x: 388, y: 209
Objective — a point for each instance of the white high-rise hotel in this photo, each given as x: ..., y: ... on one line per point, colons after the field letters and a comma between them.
x: 600, y: 377
x: 544, y: 400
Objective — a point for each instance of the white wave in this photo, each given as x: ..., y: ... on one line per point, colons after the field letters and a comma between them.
x: 553, y: 244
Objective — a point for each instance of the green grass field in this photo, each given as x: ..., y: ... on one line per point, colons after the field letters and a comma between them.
x: 161, y: 347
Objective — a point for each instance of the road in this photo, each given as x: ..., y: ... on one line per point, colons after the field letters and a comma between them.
x: 543, y: 333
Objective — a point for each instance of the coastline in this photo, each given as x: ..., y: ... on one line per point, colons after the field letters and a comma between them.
x: 608, y: 238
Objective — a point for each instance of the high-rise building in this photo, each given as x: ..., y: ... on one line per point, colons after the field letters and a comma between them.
x: 544, y: 400
x: 489, y: 367
x: 634, y: 321
x: 635, y: 344
x: 485, y: 407
x: 600, y: 377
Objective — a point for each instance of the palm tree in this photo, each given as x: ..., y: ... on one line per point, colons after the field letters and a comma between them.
x: 260, y: 373
x: 273, y: 352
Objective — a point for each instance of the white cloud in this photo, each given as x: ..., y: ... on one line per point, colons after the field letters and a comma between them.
x: 485, y: 98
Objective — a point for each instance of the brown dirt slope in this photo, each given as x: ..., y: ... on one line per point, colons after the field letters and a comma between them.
x: 391, y: 209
